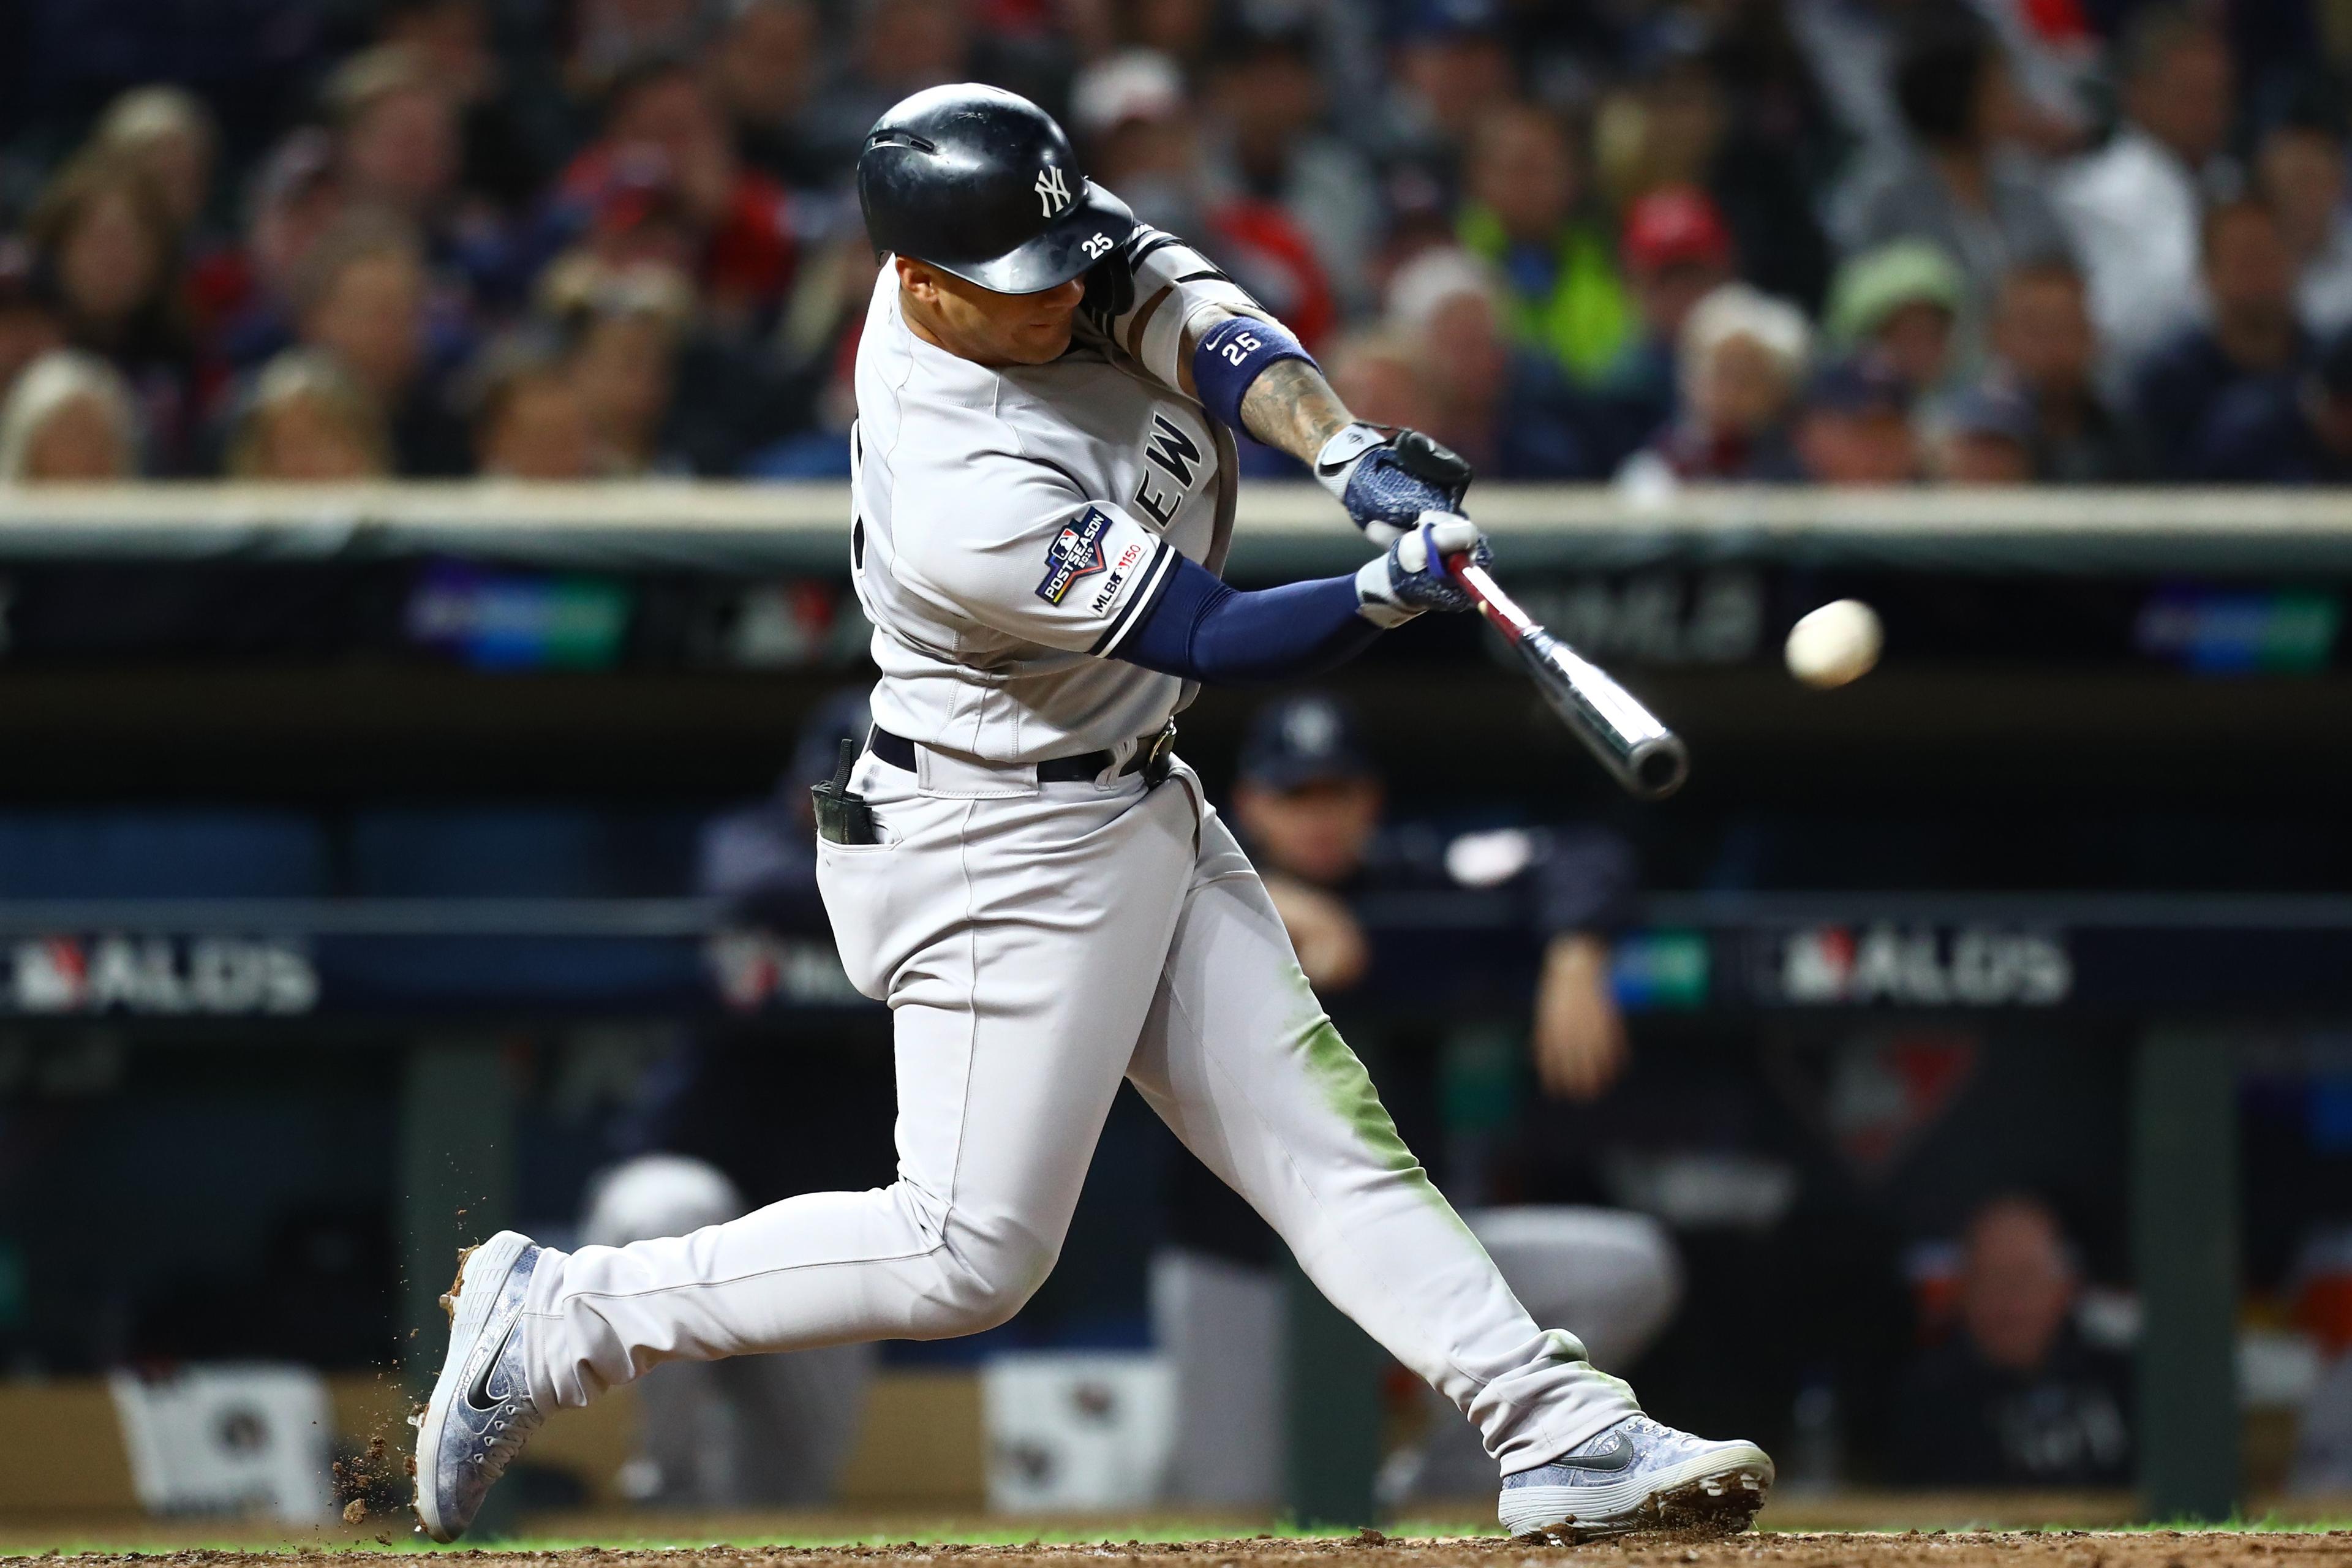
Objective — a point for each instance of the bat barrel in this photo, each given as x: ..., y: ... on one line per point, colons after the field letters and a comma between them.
x: 1644, y: 756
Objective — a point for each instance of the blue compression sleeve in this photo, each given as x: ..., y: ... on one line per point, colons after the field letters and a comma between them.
x: 1202, y: 629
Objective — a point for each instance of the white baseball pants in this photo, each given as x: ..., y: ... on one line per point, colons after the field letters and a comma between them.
x: 1037, y: 944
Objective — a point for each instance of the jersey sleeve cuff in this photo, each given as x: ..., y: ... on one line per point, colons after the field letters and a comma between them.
x: 1139, y: 602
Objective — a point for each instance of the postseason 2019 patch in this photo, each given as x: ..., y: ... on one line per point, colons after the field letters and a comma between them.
x: 1076, y: 552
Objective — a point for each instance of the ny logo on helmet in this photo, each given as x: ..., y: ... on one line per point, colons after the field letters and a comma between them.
x: 1053, y: 191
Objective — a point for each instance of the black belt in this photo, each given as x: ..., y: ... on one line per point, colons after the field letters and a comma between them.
x: 1152, y: 754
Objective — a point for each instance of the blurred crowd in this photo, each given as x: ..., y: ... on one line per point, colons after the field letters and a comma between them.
x: 1844, y: 241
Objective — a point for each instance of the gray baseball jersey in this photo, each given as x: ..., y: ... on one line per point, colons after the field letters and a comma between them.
x: 1040, y: 942
x: 1011, y: 522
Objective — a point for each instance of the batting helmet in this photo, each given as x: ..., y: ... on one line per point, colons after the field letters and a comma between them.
x: 982, y: 183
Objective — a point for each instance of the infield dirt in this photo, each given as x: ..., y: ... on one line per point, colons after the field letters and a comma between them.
x: 2028, y: 1548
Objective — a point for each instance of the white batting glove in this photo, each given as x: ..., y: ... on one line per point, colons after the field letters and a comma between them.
x: 1391, y: 589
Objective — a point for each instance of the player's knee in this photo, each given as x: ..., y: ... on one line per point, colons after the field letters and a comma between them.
x: 658, y: 1195
x: 989, y: 1279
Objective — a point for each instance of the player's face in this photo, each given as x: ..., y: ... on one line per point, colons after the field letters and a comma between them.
x: 983, y: 326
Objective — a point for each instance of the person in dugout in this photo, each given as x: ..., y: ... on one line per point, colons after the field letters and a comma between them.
x: 1308, y: 804
x: 700, y: 1146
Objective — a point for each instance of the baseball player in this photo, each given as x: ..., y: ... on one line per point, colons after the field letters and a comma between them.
x: 1043, y: 489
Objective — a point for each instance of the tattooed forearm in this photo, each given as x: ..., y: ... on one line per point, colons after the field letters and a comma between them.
x: 1292, y: 408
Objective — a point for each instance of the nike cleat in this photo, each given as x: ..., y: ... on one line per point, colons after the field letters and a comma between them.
x: 481, y: 1410
x: 1638, y: 1475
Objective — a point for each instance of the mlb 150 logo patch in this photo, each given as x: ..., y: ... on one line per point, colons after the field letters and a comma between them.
x: 1076, y: 552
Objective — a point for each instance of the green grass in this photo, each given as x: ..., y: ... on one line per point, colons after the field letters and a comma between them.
x: 2268, y: 1524
x: 408, y: 1541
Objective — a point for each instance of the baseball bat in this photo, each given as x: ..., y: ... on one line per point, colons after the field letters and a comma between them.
x: 1639, y: 750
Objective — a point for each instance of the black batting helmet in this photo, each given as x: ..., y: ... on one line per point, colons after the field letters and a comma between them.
x: 982, y: 183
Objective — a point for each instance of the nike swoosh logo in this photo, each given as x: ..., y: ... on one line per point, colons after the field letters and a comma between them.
x: 1617, y: 1456
x: 477, y: 1396
x: 1335, y: 468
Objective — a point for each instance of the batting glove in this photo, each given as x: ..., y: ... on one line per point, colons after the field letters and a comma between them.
x: 1391, y: 589
x: 1387, y: 479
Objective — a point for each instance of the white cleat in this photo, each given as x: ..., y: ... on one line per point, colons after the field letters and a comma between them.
x: 1638, y: 1475
x: 481, y: 1409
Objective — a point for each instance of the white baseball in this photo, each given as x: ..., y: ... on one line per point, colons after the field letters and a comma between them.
x: 1835, y: 643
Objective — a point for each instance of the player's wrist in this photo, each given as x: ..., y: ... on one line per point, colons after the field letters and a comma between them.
x: 1335, y: 461
x: 1375, y: 594
x: 1387, y: 479
x: 1232, y: 354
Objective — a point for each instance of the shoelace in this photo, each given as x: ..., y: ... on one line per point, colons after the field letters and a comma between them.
x: 502, y: 1440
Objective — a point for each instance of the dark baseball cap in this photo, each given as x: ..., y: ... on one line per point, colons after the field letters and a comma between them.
x: 1859, y: 383
x: 1429, y: 20
x: 1994, y: 408
x: 1302, y: 741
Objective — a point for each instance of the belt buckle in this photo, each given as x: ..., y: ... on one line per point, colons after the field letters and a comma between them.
x: 1162, y: 756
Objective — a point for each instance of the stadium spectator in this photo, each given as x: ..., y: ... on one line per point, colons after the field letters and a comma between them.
x: 763, y: 68
x: 1901, y: 304
x: 71, y: 418
x: 168, y: 132
x: 399, y: 150
x: 1855, y: 427
x: 306, y: 420
x: 1523, y: 212
x: 1742, y: 357
x: 611, y: 38
x: 1984, y: 437
x: 361, y: 294
x: 2043, y: 342
x: 1312, y: 151
x: 626, y: 329
x: 1448, y: 69
x: 243, y: 295
x: 505, y: 130
x: 1269, y: 141
x: 105, y: 246
x: 1183, y: 30
x: 1504, y: 409
x: 1956, y: 181
x: 530, y: 421
x: 2253, y: 335
x: 1758, y: 138
x: 2016, y: 1398
x: 2300, y: 172
x: 2131, y: 207
x: 1856, y: 48
x: 1676, y: 252
x: 668, y: 161
x: 2284, y: 430
x: 897, y: 47
x: 1378, y: 374
x: 1133, y: 112
x: 396, y: 140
